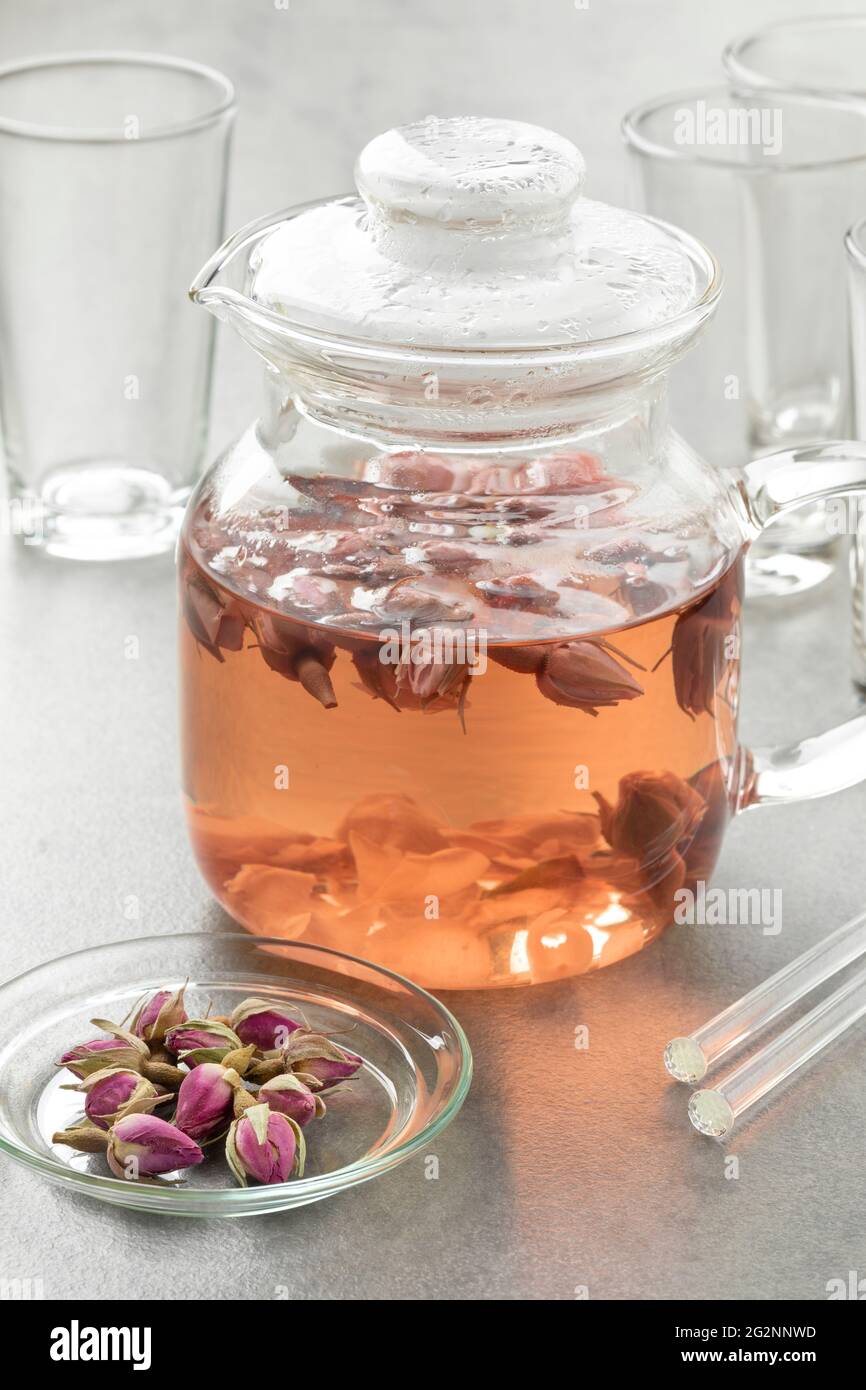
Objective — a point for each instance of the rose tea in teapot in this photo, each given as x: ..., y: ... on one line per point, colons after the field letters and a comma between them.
x: 459, y: 612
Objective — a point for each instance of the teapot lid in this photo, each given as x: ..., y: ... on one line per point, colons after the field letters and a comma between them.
x: 472, y: 233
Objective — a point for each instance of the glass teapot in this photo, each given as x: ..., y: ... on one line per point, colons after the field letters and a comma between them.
x: 460, y: 633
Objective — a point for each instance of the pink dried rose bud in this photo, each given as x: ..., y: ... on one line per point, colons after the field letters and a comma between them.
x: 91, y: 1056
x: 288, y: 1094
x: 561, y: 473
x: 216, y: 625
x: 145, y: 1145
x: 413, y: 472
x: 122, y: 1049
x: 265, y: 1145
x: 205, y: 1101
x: 313, y: 1055
x: 586, y: 677
x: 411, y: 602
x: 164, y: 1010
x: 116, y: 1091
x: 521, y: 589
x: 201, y: 1035
x: 263, y: 1023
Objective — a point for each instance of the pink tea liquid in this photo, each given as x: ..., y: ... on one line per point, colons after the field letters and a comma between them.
x: 527, y: 813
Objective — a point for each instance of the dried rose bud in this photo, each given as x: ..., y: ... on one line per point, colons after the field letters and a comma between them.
x: 704, y: 646
x: 266, y: 1146
x: 205, y: 1101
x: 240, y: 1059
x: 266, y: 1067
x: 163, y: 1074
x: 586, y: 677
x: 215, y: 625
x: 263, y: 1023
x: 523, y: 590
x: 86, y: 1138
x: 312, y: 1054
x: 561, y: 473
x: 144, y: 1145
x: 201, y: 1034
x: 289, y: 1095
x: 409, y: 601
x: 300, y: 655
x: 412, y: 472
x: 122, y: 1049
x: 92, y: 1056
x: 654, y: 813
x: 116, y: 1091
x: 525, y: 660
x: 430, y: 672
x: 161, y: 1012
x: 392, y: 819
x: 377, y: 679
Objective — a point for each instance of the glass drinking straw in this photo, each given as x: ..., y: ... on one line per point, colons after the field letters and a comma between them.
x: 688, y: 1059
x: 714, y: 1112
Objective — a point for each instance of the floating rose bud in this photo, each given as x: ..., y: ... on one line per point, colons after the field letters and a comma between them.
x: 294, y: 652
x: 561, y: 473
x: 585, y: 676
x: 705, y: 647
x: 205, y: 1101
x: 642, y: 595
x: 289, y: 1095
x: 263, y: 1023
x: 144, y: 1145
x: 446, y: 555
x: 431, y: 677
x: 265, y: 1145
x: 525, y: 660
x: 408, y: 600
x: 300, y: 589
x: 163, y: 1011
x: 215, y: 625
x: 492, y: 480
x: 201, y: 1034
x: 411, y: 472
x: 520, y: 590
x: 114, y: 1092
x: 377, y: 678
x: 312, y: 1054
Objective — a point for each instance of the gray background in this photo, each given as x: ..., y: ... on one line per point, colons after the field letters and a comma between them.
x: 565, y: 1168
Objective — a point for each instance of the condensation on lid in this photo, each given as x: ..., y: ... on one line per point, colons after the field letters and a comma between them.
x: 472, y: 233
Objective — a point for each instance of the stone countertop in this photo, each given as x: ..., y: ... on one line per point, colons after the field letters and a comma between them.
x: 566, y: 1169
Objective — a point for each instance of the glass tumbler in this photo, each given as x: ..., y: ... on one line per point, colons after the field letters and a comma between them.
x: 855, y: 245
x: 112, y: 187
x: 811, y: 54
x: 771, y: 183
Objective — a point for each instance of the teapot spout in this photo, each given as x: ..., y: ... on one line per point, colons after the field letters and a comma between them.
x: 223, y: 286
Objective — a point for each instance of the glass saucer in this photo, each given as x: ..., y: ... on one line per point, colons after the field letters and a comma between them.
x: 416, y: 1073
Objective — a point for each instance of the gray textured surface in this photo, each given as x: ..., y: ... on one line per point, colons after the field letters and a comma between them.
x: 565, y: 1168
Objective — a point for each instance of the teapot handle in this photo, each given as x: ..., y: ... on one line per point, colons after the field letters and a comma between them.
x: 769, y: 487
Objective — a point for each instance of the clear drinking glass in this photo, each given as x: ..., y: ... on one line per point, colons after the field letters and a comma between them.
x: 855, y: 245
x: 771, y: 183
x: 811, y: 54
x: 112, y: 185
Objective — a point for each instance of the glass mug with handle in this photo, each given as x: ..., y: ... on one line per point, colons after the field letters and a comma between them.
x: 460, y: 612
